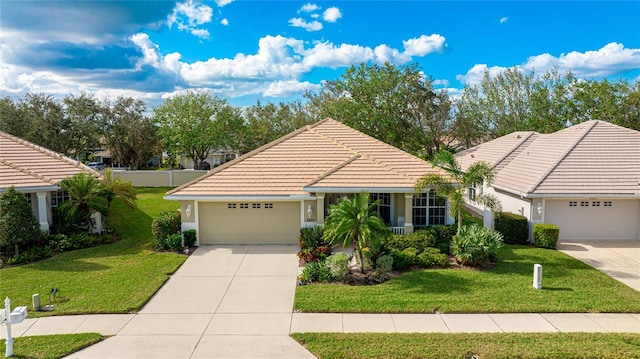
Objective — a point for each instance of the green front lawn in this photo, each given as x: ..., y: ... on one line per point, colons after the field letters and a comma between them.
x: 569, y: 286
x: 50, y: 346
x: 115, y: 278
x: 466, y: 345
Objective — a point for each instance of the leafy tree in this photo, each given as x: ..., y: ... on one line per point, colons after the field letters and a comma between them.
x: 265, y: 123
x: 354, y: 221
x: 18, y: 224
x: 115, y: 187
x: 131, y: 137
x: 395, y: 104
x: 196, y: 123
x: 454, y: 184
x: 86, y: 194
x: 11, y: 120
x: 48, y: 127
x: 85, y: 115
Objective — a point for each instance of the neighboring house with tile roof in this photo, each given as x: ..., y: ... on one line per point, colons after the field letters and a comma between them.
x: 585, y: 179
x: 37, y: 172
x: 267, y: 195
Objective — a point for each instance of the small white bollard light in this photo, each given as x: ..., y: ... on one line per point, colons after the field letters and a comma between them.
x: 7, y: 317
x: 537, y: 276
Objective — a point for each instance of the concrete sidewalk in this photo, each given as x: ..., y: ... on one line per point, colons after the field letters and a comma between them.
x: 199, y: 325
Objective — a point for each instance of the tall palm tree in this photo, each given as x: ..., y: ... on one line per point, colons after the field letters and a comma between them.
x: 454, y: 185
x: 354, y: 220
x: 116, y: 187
x: 86, y: 194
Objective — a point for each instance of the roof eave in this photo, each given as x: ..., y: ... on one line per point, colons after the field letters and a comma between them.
x: 566, y: 195
x: 213, y: 198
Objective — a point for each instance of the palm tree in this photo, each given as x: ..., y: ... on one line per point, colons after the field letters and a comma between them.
x: 86, y: 194
x: 116, y: 187
x: 454, y: 185
x: 354, y: 221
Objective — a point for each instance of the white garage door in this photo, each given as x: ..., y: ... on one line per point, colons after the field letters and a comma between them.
x: 581, y: 219
x: 249, y: 222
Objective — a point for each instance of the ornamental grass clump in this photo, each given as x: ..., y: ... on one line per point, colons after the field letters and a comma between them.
x: 475, y: 245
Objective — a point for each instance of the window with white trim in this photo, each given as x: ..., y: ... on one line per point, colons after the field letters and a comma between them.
x: 59, y: 197
x: 429, y: 209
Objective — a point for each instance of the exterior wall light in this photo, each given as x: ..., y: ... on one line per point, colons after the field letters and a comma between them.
x: 187, y: 211
x: 309, y: 211
x: 539, y: 209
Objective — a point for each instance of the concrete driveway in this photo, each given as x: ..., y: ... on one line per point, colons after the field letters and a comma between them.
x: 618, y: 259
x: 223, y: 302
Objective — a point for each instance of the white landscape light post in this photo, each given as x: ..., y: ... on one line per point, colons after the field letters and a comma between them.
x: 537, y: 276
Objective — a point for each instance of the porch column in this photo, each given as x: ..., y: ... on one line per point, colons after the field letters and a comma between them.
x: 320, y: 208
x: 42, y: 211
x: 408, y: 213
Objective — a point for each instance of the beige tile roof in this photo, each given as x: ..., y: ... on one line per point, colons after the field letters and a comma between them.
x: 593, y: 157
x: 324, y: 155
x: 25, y: 165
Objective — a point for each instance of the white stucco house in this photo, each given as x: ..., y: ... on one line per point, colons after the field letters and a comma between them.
x: 267, y: 195
x: 585, y: 179
x: 37, y: 172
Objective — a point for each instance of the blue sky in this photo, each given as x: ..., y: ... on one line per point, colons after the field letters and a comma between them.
x: 275, y: 50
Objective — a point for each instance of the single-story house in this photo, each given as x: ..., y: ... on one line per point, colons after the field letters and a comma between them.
x: 214, y: 158
x: 267, y: 195
x: 585, y: 179
x: 37, y: 172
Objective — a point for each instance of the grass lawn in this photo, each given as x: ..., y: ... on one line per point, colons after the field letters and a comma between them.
x: 50, y: 346
x: 568, y: 286
x: 115, y: 278
x: 465, y: 345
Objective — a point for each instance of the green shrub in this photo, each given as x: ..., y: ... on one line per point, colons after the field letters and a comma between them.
x: 476, y: 245
x: 378, y: 247
x: 432, y: 257
x: 338, y: 264
x: 29, y: 255
x: 469, y: 219
x: 384, y: 264
x: 422, y: 239
x: 513, y: 227
x: 403, y: 259
x: 398, y: 242
x: 174, y: 242
x: 546, y: 235
x: 317, y: 271
x: 444, y: 235
x: 189, y: 237
x: 164, y: 225
x: 19, y: 228
x: 313, y: 245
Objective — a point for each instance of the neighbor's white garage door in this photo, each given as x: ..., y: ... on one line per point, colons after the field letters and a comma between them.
x: 581, y: 219
x: 249, y: 222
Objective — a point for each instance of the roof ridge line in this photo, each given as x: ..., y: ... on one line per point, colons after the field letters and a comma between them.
x: 514, y: 148
x: 44, y: 150
x: 333, y: 170
x: 372, y: 159
x: 27, y: 171
x: 562, y: 157
x: 249, y: 154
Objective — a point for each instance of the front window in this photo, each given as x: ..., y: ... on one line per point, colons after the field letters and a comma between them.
x: 429, y: 209
x: 57, y: 198
x: 384, y: 207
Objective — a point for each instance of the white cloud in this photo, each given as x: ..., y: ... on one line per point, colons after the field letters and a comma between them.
x: 441, y: 82
x: 309, y: 7
x: 223, y: 3
x: 424, y: 45
x: 309, y: 26
x: 611, y: 59
x: 332, y: 14
x: 504, y: 19
x: 150, y: 54
x: 187, y: 16
x: 326, y: 54
x: 315, y: 16
x: 288, y: 88
x: 224, y: 22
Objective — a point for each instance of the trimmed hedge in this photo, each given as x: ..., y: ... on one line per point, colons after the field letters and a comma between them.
x: 546, y: 235
x: 513, y: 227
x: 164, y: 225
